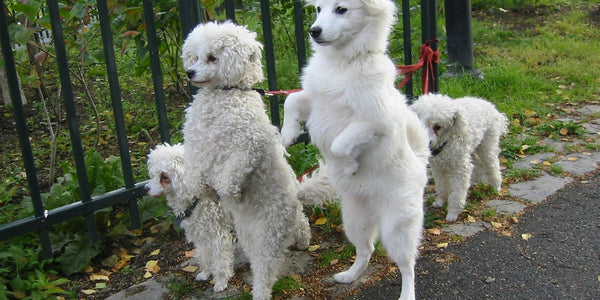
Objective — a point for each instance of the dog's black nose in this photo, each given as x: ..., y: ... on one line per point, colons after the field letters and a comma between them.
x: 315, y: 31
x: 190, y: 74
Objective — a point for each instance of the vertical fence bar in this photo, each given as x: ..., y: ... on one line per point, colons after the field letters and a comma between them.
x: 157, y: 77
x: 429, y: 31
x: 265, y: 12
x: 407, y: 46
x: 299, y: 31
x: 21, y: 124
x: 115, y: 95
x: 69, y: 100
x: 230, y: 10
x: 189, y: 13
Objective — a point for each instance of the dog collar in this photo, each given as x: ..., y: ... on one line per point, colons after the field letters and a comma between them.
x: 437, y: 150
x: 188, y: 212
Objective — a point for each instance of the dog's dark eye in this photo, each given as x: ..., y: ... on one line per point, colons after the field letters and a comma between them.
x: 340, y: 10
x: 164, y: 178
x: 436, y: 128
x: 211, y: 58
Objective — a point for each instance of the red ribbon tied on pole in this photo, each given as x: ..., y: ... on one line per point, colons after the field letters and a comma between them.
x: 427, y: 59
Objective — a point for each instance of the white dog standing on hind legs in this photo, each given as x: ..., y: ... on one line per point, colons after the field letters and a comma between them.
x: 375, y: 148
x: 465, y: 142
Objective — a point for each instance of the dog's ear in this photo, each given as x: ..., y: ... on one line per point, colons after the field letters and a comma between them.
x: 176, y: 171
x: 459, y: 125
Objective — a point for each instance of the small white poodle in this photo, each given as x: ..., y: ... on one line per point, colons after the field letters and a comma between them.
x: 232, y: 147
x: 202, y: 218
x: 465, y: 135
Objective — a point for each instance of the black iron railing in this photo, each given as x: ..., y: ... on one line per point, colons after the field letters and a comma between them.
x: 190, y: 15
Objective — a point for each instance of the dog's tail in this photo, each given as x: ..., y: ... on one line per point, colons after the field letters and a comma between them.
x: 316, y: 189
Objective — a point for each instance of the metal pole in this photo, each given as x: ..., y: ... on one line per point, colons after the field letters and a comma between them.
x: 460, y: 38
x: 429, y: 31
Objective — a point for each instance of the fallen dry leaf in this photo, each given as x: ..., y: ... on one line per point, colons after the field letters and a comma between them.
x: 434, y: 231
x: 147, y: 274
x: 190, y: 269
x: 89, y: 292
x: 152, y: 266
x: 496, y: 224
x: 155, y: 252
x: 564, y: 131
x: 471, y: 219
x: 321, y: 221
x: 526, y: 236
x: 99, y: 277
x: 313, y: 248
x: 190, y: 254
x: 546, y: 163
x: 572, y: 158
x: 442, y: 245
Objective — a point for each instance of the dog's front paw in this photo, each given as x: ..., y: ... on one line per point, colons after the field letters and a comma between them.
x: 452, y: 215
x: 439, y: 202
x: 289, y: 133
x: 345, y: 277
x: 203, y: 276
x: 219, y: 287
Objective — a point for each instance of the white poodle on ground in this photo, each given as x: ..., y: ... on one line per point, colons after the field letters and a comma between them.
x: 375, y: 147
x: 202, y: 218
x: 231, y: 146
x: 465, y: 135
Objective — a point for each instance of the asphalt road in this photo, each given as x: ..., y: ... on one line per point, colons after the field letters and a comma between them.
x: 561, y: 259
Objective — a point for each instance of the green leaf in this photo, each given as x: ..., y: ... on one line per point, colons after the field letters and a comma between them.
x: 78, y: 255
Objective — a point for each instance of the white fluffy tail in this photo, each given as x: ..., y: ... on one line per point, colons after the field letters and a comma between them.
x: 316, y: 189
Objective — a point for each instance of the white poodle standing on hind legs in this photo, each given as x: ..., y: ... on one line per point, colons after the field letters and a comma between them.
x: 465, y: 135
x: 375, y: 148
x: 232, y: 147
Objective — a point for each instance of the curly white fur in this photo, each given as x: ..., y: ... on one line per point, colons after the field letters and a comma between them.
x: 231, y: 146
x: 466, y: 133
x: 207, y: 227
x: 375, y: 148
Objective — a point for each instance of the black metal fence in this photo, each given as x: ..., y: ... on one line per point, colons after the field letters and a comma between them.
x: 190, y: 15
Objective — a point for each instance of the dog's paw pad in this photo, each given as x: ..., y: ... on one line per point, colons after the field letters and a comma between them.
x: 344, y: 277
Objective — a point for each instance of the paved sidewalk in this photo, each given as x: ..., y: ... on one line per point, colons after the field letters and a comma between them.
x: 559, y: 260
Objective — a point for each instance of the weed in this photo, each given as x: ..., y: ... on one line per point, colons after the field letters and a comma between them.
x: 344, y: 252
x: 557, y: 129
x: 180, y: 287
x: 592, y: 146
x: 519, y: 175
x: 482, y: 191
x: 555, y: 170
x: 490, y: 213
x: 286, y: 283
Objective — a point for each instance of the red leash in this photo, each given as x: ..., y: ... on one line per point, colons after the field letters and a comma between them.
x: 428, y: 57
x: 307, y: 172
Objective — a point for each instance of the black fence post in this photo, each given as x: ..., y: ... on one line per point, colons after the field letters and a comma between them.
x: 429, y: 31
x: 265, y: 12
x: 21, y: 124
x: 157, y: 79
x: 407, y: 46
x: 460, y: 38
x: 189, y: 13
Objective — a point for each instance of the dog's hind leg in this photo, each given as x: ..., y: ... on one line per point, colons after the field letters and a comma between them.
x: 222, y: 259
x: 301, y: 229
x: 488, y: 162
x: 401, y: 238
x: 362, y: 232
